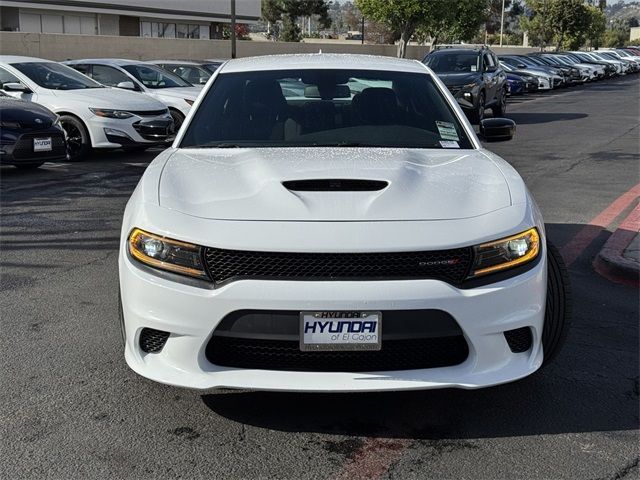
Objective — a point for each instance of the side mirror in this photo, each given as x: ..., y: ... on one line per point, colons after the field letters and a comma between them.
x: 15, y: 87
x: 497, y: 129
x: 128, y: 85
x: 490, y: 68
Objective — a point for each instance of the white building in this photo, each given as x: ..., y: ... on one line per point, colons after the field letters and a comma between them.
x: 144, y: 18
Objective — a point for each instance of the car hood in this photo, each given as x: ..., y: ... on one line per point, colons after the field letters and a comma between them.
x: 27, y: 114
x: 247, y: 184
x: 111, y: 98
x: 460, y: 78
x: 189, y: 93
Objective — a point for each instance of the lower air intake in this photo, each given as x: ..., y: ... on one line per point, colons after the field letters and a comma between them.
x: 152, y: 341
x: 519, y: 340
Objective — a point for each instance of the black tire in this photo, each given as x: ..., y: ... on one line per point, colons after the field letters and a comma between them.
x: 29, y: 166
x: 478, y: 114
x: 78, y: 141
x: 178, y: 119
x: 501, y: 108
x: 557, y: 317
x: 121, y: 318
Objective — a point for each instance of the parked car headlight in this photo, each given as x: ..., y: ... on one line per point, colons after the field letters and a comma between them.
x: 506, y: 253
x: 107, y: 113
x: 166, y: 254
x: 9, y: 124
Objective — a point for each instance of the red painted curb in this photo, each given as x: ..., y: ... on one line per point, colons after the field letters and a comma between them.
x: 611, y: 263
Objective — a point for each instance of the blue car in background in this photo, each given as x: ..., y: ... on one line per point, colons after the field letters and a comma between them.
x: 515, y: 84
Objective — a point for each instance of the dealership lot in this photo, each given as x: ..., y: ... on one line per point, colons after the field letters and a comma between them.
x: 73, y: 409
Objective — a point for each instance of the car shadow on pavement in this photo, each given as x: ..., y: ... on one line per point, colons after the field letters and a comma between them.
x: 530, y: 118
x: 591, y: 386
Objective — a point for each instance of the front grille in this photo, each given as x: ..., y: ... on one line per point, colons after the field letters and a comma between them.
x: 152, y: 341
x: 226, y: 266
x: 154, y: 130
x: 24, y: 147
x: 519, y: 340
x: 149, y: 113
x: 408, y: 354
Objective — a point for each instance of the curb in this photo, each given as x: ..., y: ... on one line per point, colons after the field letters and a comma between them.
x: 611, y: 263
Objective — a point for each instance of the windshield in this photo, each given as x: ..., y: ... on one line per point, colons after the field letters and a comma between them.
x: 155, y: 77
x: 325, y: 108
x: 191, y: 73
x: 453, y: 62
x: 55, y: 76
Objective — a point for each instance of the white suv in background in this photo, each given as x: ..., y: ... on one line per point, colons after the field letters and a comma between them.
x: 91, y: 114
x: 174, y: 92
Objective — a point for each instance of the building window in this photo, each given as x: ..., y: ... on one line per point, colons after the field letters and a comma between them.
x: 54, y: 23
x: 173, y: 30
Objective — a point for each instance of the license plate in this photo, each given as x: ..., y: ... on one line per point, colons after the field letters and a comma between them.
x: 343, y: 330
x: 42, y: 144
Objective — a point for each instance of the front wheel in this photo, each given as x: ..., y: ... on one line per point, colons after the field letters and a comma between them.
x: 501, y: 108
x: 557, y: 317
x: 78, y: 141
x: 477, y: 115
x: 178, y: 120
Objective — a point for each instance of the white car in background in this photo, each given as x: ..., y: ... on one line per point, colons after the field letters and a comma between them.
x: 332, y: 223
x: 545, y: 80
x: 193, y: 72
x: 174, y: 92
x: 93, y: 116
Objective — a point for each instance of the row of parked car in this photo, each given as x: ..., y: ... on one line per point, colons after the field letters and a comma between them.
x: 479, y: 79
x: 53, y: 111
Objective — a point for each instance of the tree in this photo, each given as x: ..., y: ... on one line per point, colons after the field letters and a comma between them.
x: 401, y: 15
x: 597, y: 26
x: 432, y: 19
x: 536, y: 22
x: 570, y: 21
x: 288, y: 12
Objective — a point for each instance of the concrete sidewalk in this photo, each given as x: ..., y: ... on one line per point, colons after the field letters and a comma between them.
x: 619, y: 259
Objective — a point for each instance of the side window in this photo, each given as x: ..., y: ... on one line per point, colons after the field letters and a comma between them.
x: 108, y: 75
x: 7, y: 77
x: 84, y: 69
x: 488, y: 61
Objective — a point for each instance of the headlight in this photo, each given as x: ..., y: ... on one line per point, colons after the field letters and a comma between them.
x: 506, y: 253
x: 166, y: 254
x: 103, y: 112
x: 11, y: 125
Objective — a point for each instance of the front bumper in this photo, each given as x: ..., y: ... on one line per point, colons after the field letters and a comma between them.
x: 111, y: 133
x: 191, y: 314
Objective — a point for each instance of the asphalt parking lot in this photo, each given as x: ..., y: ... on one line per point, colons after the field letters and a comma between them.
x: 72, y: 408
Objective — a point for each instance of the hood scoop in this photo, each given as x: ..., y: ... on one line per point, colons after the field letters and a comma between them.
x: 335, y: 185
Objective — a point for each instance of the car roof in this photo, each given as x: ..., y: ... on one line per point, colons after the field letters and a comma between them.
x: 175, y: 62
x: 21, y: 59
x: 322, y: 61
x: 459, y: 50
x: 108, y: 61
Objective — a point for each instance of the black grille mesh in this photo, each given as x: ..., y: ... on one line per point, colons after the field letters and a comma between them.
x: 519, y: 340
x: 152, y: 341
x: 24, y: 147
x: 228, y: 265
x: 286, y: 355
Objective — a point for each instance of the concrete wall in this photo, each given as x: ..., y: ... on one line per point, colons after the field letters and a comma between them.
x: 64, y: 47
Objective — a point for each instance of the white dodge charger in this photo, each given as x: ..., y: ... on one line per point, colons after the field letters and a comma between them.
x: 332, y: 223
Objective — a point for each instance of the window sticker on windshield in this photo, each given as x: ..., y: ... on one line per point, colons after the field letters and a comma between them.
x: 449, y: 144
x: 447, y: 130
